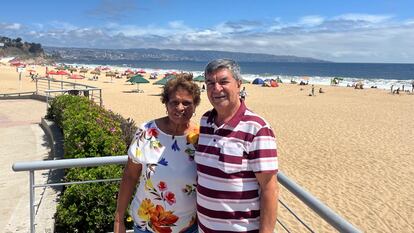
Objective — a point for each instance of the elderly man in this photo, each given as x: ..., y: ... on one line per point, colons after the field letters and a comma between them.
x: 236, y: 159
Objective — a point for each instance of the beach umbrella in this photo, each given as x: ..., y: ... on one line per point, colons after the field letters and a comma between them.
x: 199, y: 78
x: 76, y: 77
x: 128, y: 71
x: 52, y: 72
x: 61, y: 73
x: 141, y: 71
x: 96, y: 72
x: 138, y: 79
x: 83, y: 70
x: 110, y: 74
x: 72, y: 69
x: 164, y: 80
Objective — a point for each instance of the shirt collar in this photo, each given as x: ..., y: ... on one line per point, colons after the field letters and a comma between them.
x: 234, y: 120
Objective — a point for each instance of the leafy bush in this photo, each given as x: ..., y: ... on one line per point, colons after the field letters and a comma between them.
x: 89, y: 131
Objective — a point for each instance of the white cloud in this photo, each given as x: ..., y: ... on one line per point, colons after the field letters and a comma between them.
x: 344, y: 38
x: 311, y: 20
x: 365, y: 17
x: 10, y: 26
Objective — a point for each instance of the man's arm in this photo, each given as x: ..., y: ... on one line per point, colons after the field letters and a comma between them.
x: 269, y: 196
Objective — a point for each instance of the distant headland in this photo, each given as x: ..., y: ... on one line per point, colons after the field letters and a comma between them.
x: 37, y: 54
x: 152, y: 54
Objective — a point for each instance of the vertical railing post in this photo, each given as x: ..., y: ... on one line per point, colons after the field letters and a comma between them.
x: 47, y: 100
x: 100, y: 97
x: 32, y: 206
x: 37, y: 90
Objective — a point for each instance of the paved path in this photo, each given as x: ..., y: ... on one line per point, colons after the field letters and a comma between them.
x: 22, y: 139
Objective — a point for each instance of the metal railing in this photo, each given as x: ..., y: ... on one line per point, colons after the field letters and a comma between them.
x: 53, y: 87
x: 316, y: 205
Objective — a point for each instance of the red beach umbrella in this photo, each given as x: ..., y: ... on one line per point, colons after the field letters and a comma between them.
x: 62, y: 72
x: 76, y: 76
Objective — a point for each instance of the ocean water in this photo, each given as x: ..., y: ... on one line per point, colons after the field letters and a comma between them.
x: 382, y: 76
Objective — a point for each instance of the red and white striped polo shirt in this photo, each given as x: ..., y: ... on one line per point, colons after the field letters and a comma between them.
x: 227, y: 159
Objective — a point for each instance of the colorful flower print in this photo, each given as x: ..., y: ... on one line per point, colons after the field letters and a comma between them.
x: 152, y: 132
x: 161, y: 221
x: 155, y: 144
x: 138, y: 152
x: 190, y: 152
x: 174, y: 146
x: 163, y: 161
x: 189, y: 189
x: 162, y: 186
x: 192, y: 136
x: 148, y: 185
x: 148, y: 125
x: 170, y: 197
x: 146, y: 209
x: 156, y: 217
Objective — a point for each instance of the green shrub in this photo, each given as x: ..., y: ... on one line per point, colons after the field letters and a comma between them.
x: 89, y: 131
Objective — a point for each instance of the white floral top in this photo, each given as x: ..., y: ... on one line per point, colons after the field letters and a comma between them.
x: 165, y: 199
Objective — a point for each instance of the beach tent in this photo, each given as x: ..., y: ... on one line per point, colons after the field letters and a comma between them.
x: 138, y: 79
x: 258, y: 81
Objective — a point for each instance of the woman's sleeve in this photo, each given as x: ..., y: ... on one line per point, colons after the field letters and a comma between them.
x: 134, y: 150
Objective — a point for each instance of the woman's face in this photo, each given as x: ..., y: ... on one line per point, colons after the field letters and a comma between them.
x: 180, y: 107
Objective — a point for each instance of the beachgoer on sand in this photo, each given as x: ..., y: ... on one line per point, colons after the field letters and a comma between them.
x: 320, y: 90
x: 161, y: 159
x: 243, y: 93
x: 236, y: 159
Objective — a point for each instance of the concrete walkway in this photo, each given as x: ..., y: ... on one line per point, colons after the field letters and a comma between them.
x: 22, y: 139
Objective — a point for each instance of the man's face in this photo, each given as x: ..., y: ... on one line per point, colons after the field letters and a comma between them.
x: 223, y: 90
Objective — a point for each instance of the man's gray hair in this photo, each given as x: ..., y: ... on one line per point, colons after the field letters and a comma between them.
x: 224, y: 63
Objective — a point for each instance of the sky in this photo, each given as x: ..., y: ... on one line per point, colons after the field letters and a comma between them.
x: 377, y: 31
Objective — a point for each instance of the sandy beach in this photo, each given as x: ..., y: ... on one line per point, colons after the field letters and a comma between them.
x: 352, y: 149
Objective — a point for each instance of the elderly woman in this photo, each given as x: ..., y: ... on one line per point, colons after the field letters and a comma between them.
x: 161, y: 158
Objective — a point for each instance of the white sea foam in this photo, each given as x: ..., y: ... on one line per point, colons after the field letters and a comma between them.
x: 317, y: 80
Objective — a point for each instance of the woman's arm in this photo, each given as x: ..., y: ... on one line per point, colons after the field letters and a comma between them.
x: 129, y: 180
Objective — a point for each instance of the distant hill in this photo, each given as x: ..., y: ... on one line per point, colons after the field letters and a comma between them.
x: 88, y: 54
x: 18, y: 48
x: 32, y: 53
